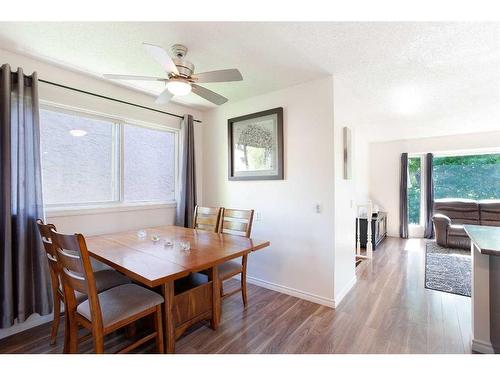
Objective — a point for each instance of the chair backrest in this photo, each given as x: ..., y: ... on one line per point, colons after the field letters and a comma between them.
x: 76, y: 271
x: 46, y: 235
x: 50, y: 250
x: 237, y: 222
x: 207, y: 218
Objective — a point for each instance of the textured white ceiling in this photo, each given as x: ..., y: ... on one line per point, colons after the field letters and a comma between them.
x: 449, y: 71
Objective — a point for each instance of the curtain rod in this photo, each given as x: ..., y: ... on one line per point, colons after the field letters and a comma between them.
x: 110, y: 98
x: 113, y: 99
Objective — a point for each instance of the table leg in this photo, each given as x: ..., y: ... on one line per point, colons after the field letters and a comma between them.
x: 168, y: 318
x: 216, y: 299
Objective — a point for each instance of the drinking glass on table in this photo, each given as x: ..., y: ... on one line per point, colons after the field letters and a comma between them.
x: 185, y: 245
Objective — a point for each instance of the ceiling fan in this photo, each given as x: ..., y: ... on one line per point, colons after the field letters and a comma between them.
x: 181, y: 80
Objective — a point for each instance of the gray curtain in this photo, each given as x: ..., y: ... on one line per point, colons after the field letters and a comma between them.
x: 403, y: 197
x: 187, y: 194
x: 429, y: 196
x: 24, y: 286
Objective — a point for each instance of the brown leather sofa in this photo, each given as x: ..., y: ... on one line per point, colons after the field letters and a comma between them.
x: 450, y: 215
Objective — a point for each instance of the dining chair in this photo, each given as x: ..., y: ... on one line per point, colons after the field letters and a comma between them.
x: 235, y: 222
x: 207, y: 218
x: 105, y: 312
x: 105, y: 279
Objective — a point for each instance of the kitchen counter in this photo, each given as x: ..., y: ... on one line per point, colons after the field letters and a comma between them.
x: 485, y: 299
x: 487, y: 239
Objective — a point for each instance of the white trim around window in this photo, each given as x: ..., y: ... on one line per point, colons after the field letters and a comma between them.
x: 118, y: 204
x: 101, y: 115
x: 105, y: 208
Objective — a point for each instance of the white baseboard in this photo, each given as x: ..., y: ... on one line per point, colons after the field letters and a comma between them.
x: 344, y: 291
x: 482, y: 347
x: 292, y: 291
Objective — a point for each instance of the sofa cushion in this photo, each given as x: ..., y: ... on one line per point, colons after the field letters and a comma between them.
x: 457, y: 230
x: 460, y: 211
x: 459, y: 242
x: 489, y: 212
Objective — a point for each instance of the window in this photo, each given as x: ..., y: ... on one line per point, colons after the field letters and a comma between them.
x: 77, y: 158
x: 414, y: 189
x: 92, y: 160
x: 149, y: 164
x: 467, y: 176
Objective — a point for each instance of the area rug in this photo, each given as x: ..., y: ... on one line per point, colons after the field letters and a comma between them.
x: 447, y: 269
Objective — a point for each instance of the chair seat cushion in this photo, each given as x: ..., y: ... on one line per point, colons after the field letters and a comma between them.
x: 122, y: 302
x: 457, y: 230
x: 229, y: 268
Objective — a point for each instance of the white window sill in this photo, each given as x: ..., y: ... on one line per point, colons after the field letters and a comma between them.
x: 105, y: 208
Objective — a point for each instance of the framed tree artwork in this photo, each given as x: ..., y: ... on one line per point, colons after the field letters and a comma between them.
x: 255, y: 145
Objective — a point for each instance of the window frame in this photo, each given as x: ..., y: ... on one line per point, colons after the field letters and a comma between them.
x: 118, y: 164
x: 470, y: 152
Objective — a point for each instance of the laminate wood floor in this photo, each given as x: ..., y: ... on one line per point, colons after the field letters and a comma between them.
x: 387, y: 311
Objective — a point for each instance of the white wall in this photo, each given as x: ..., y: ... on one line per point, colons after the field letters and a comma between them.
x: 361, y: 165
x: 350, y: 192
x: 385, y: 165
x: 300, y: 258
x: 102, y: 222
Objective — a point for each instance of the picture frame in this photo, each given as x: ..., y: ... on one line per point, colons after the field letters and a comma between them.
x: 255, y: 146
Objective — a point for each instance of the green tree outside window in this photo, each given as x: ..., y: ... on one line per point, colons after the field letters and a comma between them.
x: 468, y: 176
x: 414, y: 189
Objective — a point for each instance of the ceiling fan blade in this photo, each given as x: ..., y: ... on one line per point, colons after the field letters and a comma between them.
x: 226, y: 75
x: 133, y: 78
x: 208, y: 94
x: 162, y: 57
x: 164, y: 97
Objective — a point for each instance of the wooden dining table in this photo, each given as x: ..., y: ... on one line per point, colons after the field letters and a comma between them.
x: 157, y: 260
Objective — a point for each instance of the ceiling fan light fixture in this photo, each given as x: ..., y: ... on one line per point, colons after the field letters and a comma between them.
x: 181, y: 79
x: 78, y: 132
x: 179, y: 88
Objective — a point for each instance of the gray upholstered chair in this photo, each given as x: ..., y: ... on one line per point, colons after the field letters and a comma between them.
x: 104, y: 279
x: 450, y: 215
x: 105, y: 312
x: 236, y: 222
